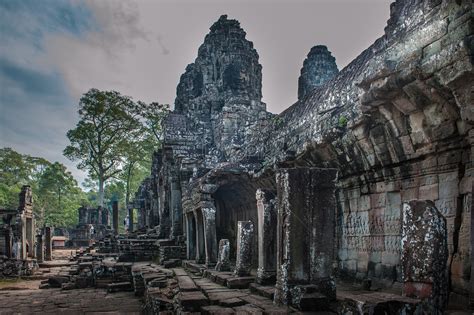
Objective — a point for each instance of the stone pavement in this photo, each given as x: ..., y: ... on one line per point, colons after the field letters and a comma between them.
x: 80, y: 301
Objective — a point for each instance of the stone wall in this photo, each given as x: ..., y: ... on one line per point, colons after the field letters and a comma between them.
x: 396, y: 124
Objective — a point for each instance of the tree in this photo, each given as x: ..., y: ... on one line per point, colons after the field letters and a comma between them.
x: 108, y: 122
x: 56, y: 195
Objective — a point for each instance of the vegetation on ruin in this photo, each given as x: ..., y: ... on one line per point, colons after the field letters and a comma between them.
x: 114, y: 138
x: 57, y: 194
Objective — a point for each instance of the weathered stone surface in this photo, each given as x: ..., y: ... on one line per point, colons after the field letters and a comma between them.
x: 318, y: 67
x: 243, y: 264
x: 306, y: 214
x: 425, y: 254
x: 267, y: 223
x: 223, y: 263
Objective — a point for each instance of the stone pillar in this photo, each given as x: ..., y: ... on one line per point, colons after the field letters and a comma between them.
x: 267, y: 224
x: 39, y: 248
x: 99, y: 216
x: 8, y: 242
x: 305, y: 236
x: 243, y: 262
x: 130, y: 219
x: 82, y: 215
x: 200, y: 247
x: 191, y: 236
x: 223, y: 262
x: 115, y: 217
x: 176, y: 208
x: 23, y: 253
x: 210, y: 239
x: 48, y: 250
x: 472, y: 244
x: 30, y: 236
x: 425, y: 254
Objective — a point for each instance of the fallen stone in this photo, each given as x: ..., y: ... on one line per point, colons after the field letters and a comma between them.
x: 185, y: 283
x: 232, y: 302
x: 239, y: 282
x: 192, y: 301
x: 215, y: 310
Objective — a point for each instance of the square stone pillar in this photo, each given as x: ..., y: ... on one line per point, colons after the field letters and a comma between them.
x: 115, y: 217
x: 267, y: 230
x: 223, y: 262
x: 39, y: 248
x: 176, y: 208
x: 8, y: 242
x: 472, y: 243
x: 200, y: 246
x: 130, y: 219
x: 48, y: 250
x: 210, y: 239
x: 305, y: 235
x: 190, y: 236
x: 243, y: 264
x: 425, y: 254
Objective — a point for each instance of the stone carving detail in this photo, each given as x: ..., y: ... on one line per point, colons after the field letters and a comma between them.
x: 318, y: 67
x: 223, y: 263
x: 424, y: 254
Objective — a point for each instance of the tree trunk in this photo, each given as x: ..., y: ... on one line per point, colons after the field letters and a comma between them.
x: 101, y: 190
x: 129, y: 177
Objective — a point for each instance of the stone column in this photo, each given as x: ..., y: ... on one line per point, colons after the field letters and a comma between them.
x: 23, y: 238
x: 305, y: 236
x: 99, y: 216
x: 472, y: 243
x: 191, y: 236
x: 8, y: 242
x: 48, y: 251
x: 424, y: 254
x: 130, y: 219
x: 243, y: 262
x: 200, y: 247
x: 39, y: 248
x: 223, y: 263
x: 176, y: 208
x: 267, y: 224
x: 115, y: 217
x: 210, y: 239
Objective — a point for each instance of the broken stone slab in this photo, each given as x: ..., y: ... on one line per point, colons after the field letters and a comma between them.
x: 221, y: 278
x: 57, y: 281
x: 245, y: 231
x: 216, y: 297
x: 232, y: 302
x: 373, y: 302
x: 216, y: 310
x: 424, y: 254
x: 267, y: 291
x: 223, y: 262
x: 119, y: 286
x: 192, y: 301
x: 239, y: 282
x: 185, y: 283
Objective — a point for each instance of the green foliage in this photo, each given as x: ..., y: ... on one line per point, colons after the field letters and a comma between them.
x: 56, y: 195
x: 342, y: 122
x: 108, y: 123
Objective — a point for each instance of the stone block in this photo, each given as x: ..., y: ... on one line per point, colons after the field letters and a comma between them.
x: 239, y: 282
x: 245, y: 232
x: 223, y: 263
x: 424, y: 253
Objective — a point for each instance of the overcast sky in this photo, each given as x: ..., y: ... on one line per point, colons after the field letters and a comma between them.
x: 54, y: 51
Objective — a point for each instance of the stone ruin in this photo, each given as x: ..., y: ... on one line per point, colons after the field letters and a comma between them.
x: 18, y: 250
x: 332, y: 186
x: 94, y: 225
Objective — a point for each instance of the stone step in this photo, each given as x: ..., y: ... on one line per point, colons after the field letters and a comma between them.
x: 119, y: 286
x: 192, y: 300
x: 239, y: 282
x: 267, y: 291
x: 185, y: 283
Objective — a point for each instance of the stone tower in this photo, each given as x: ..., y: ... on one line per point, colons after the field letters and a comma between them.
x: 318, y: 67
x: 220, y: 93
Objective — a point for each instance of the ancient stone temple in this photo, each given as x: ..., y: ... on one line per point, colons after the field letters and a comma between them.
x: 18, y: 237
x: 94, y: 224
x: 323, y: 185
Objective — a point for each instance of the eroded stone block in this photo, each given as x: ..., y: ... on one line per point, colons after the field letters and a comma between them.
x: 424, y: 253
